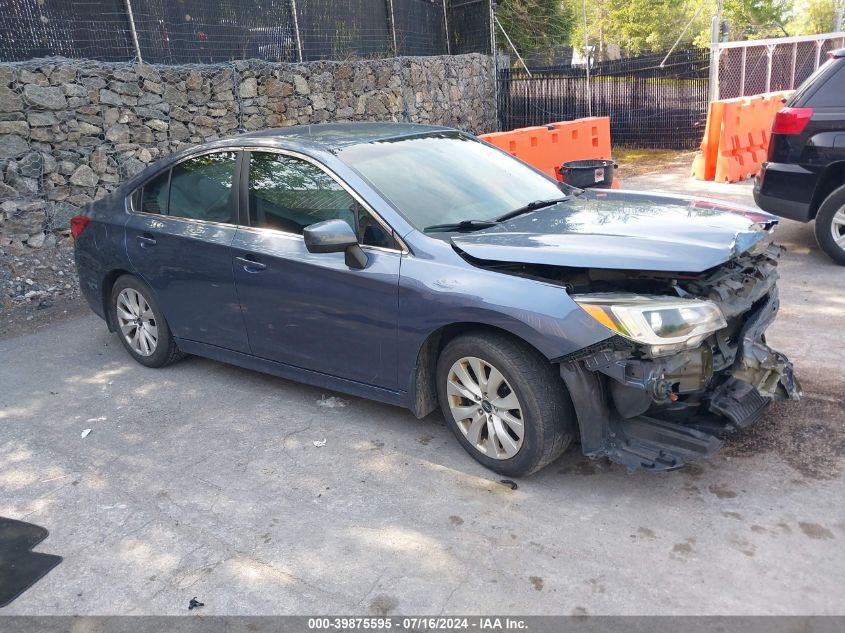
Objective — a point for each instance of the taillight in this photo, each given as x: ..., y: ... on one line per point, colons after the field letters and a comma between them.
x: 791, y: 120
x: 78, y: 224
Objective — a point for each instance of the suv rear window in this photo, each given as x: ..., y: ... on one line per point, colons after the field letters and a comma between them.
x: 831, y: 90
x: 818, y: 78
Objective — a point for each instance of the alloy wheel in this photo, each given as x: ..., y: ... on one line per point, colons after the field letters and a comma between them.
x: 837, y: 228
x: 137, y: 322
x: 485, y: 407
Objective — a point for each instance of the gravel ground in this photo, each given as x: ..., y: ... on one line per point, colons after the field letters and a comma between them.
x: 37, y: 287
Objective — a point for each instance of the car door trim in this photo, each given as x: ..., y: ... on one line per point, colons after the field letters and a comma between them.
x: 403, y: 248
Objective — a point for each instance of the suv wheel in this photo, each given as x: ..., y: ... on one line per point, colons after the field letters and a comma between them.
x: 141, y: 325
x: 504, y: 402
x: 830, y: 226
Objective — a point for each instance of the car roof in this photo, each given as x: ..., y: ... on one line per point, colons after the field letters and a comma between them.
x: 334, y: 136
x: 326, y: 137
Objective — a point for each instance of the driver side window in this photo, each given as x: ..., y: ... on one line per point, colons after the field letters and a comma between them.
x: 288, y: 194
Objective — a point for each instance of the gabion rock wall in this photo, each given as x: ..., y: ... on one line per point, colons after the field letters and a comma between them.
x: 71, y: 131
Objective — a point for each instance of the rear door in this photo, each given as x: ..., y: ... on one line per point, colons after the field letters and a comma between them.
x: 311, y: 310
x: 179, y: 237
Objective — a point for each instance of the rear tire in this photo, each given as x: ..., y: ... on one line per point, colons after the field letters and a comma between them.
x: 141, y: 325
x: 830, y: 226
x: 517, y: 417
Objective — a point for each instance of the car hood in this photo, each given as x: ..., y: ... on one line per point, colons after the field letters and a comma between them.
x: 624, y: 230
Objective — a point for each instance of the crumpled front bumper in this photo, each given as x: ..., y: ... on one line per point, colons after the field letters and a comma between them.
x: 759, y: 374
x: 659, y: 414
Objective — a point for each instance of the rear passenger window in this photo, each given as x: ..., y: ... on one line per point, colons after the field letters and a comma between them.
x: 830, y: 94
x: 154, y: 195
x: 201, y: 188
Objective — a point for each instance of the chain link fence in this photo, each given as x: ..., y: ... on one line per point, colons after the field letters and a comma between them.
x: 757, y: 66
x: 200, y: 31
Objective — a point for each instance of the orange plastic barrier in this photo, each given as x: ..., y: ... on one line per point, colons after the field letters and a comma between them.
x: 547, y: 147
x: 736, y: 137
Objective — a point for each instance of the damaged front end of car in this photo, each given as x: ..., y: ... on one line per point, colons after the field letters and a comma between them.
x: 688, y: 362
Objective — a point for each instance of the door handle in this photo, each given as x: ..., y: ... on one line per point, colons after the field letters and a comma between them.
x: 250, y: 264
x: 145, y: 240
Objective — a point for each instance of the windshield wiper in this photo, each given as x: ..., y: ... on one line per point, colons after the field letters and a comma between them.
x: 531, y: 206
x: 463, y: 225
x: 475, y: 225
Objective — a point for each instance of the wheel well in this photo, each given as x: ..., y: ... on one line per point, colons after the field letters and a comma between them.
x: 423, y: 381
x: 831, y: 178
x: 106, y: 286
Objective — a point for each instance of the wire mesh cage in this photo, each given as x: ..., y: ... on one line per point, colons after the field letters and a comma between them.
x: 198, y: 31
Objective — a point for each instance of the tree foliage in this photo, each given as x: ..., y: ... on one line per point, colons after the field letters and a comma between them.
x: 535, y: 24
x: 653, y: 26
x: 637, y: 26
x: 813, y: 16
x: 756, y: 19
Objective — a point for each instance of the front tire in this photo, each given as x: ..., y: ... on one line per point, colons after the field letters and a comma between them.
x: 141, y: 325
x: 504, y: 402
x: 830, y: 226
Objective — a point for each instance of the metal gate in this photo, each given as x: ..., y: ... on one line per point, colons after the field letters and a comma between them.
x: 783, y: 63
x: 649, y: 104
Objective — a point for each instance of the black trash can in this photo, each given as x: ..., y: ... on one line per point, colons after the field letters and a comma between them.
x: 588, y: 173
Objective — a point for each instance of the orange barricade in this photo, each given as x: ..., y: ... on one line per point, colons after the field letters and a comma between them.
x: 547, y: 147
x: 736, y: 138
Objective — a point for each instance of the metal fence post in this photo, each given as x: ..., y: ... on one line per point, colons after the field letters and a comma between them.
x: 769, y: 51
x: 392, y: 19
x: 794, y: 64
x: 296, y: 28
x: 132, y: 30
x: 714, y: 59
x: 587, y: 55
x: 742, y: 71
x: 446, y: 28
x: 495, y: 60
x: 492, y: 28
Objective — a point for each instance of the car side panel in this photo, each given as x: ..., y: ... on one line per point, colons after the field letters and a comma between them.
x: 311, y: 310
x: 100, y: 250
x: 438, y: 288
x: 189, y: 268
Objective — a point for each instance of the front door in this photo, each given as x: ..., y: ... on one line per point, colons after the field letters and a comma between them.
x: 311, y: 310
x: 179, y: 237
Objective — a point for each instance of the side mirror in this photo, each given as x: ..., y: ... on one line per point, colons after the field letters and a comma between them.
x: 335, y: 236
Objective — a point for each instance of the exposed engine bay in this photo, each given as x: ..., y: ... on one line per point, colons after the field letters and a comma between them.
x: 662, y: 406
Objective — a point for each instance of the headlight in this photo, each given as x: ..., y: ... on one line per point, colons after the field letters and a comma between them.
x: 665, y: 324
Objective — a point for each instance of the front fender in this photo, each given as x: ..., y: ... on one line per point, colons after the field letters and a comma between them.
x: 434, y: 294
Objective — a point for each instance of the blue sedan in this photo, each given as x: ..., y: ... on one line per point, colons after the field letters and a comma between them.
x: 422, y: 267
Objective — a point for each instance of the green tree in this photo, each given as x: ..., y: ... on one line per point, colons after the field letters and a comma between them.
x: 813, y: 16
x: 756, y: 19
x: 637, y: 26
x: 534, y: 25
x: 653, y: 26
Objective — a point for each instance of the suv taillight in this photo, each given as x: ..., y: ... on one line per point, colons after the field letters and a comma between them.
x: 78, y: 224
x: 791, y: 120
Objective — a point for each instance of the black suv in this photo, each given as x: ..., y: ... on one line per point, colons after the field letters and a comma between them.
x: 804, y: 177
